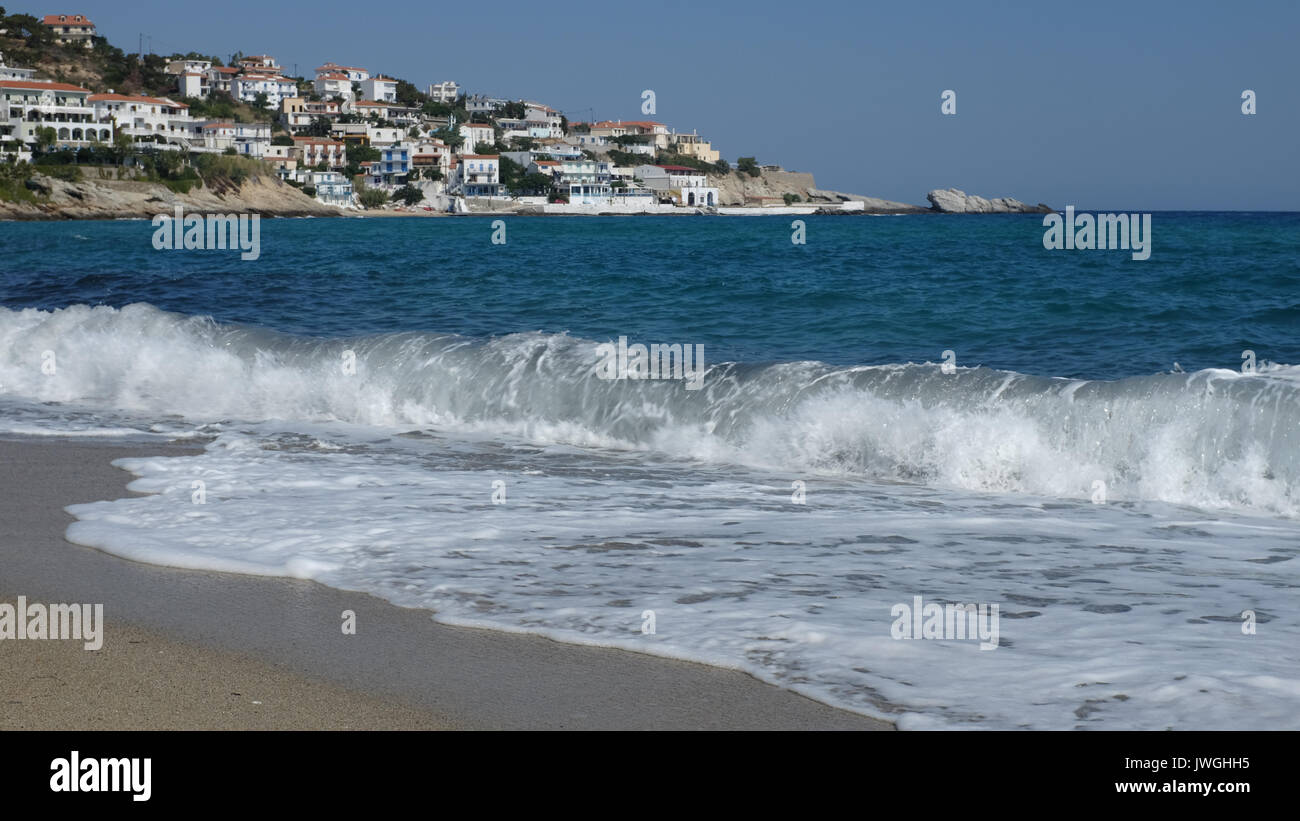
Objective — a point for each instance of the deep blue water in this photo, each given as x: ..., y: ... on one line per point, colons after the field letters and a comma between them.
x: 863, y: 290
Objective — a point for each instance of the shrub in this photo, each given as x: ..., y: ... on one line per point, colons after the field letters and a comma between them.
x: 408, y: 194
x: 233, y: 168
x: 372, y: 197
x: 67, y: 173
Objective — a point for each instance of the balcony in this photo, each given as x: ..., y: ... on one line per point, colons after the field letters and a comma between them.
x: 54, y: 110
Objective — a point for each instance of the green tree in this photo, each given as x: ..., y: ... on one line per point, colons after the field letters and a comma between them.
x: 485, y: 148
x: 409, y: 95
x: 122, y: 147
x: 319, y: 127
x: 452, y: 139
x: 408, y: 194
x: 747, y: 165
x: 45, y: 138
x: 260, y: 99
x: 536, y: 184
x: 511, y: 173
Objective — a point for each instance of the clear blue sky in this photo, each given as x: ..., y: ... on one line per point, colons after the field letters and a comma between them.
x: 1114, y: 105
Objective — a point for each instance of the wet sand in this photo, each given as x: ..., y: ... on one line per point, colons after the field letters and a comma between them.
x: 186, y: 649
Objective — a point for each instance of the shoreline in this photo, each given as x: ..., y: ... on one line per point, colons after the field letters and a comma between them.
x: 731, y: 211
x: 179, y: 643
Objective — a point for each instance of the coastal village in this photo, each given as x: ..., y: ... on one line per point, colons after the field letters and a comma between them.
x: 356, y: 138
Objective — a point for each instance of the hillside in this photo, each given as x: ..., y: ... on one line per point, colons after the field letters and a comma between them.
x: 29, y: 44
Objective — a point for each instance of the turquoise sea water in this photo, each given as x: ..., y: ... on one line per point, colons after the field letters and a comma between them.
x: 401, y: 406
x: 861, y: 291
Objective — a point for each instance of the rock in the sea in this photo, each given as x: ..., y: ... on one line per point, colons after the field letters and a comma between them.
x: 953, y: 201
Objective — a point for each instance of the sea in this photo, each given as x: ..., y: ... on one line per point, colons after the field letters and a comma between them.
x: 1101, y: 454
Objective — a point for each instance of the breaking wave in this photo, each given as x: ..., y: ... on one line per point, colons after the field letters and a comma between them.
x: 1213, y: 438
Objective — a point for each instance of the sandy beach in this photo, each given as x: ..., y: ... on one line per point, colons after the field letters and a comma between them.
x: 198, y: 650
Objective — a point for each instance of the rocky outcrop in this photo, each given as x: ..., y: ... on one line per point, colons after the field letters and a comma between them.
x: 94, y: 198
x: 952, y: 201
x: 742, y: 189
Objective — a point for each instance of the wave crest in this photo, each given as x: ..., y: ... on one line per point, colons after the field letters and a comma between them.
x: 1214, y: 438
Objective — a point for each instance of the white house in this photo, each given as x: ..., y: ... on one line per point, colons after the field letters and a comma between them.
x: 394, y: 164
x: 477, y: 175
x: 217, y: 136
x: 260, y: 64
x: 446, y: 92
x: 188, y: 66
x: 545, y: 117
x: 353, y: 73
x: 548, y: 167
x: 246, y: 87
x: 432, y: 155
x: 14, y: 72
x: 71, y: 28
x: 379, y: 136
x: 559, y: 149
x: 220, y: 77
x: 399, y: 114
x: 26, y: 105
x: 651, y: 134
x: 145, y: 119
x: 312, y: 151
x: 335, y: 84
x: 475, y: 133
x: 296, y: 113
x: 582, y: 170
x: 282, y: 158
x: 331, y: 187
x: 253, y: 139
x: 688, y: 186
x: 380, y: 89
x: 194, y: 84
x: 479, y: 104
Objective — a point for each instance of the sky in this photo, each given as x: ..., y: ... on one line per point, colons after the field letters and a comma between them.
x: 1101, y: 105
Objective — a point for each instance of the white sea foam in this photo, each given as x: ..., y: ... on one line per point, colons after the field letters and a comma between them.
x: 622, y: 497
x: 1111, y: 615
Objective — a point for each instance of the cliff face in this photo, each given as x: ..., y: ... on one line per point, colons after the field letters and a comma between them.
x: 93, y: 198
x: 734, y: 188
